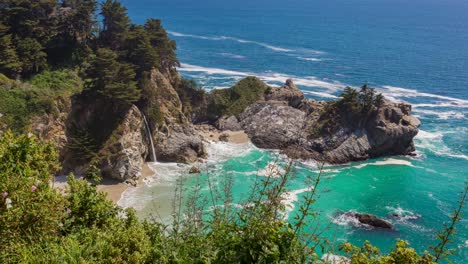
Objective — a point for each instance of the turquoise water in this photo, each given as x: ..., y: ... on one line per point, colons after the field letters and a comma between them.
x: 413, y: 51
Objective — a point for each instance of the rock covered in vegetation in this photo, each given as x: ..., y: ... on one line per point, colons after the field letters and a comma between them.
x: 335, y: 132
x: 105, y: 131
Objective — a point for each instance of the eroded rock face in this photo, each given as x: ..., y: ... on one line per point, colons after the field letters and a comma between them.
x: 285, y: 121
x: 175, y: 139
x: 228, y: 123
x: 123, y: 158
x: 107, y: 132
x: 273, y: 125
x: 178, y: 143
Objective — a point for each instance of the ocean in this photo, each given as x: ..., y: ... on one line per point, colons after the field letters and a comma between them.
x: 413, y: 51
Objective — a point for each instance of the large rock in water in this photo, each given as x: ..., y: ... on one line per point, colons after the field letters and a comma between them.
x: 370, y: 220
x: 286, y: 121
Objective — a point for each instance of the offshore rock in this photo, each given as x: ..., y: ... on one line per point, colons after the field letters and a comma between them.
x: 288, y: 122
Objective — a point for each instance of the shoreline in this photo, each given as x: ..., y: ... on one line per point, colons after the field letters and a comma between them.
x: 115, y: 189
x: 211, y: 133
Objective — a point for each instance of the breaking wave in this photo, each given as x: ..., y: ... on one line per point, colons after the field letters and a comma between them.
x: 244, y: 41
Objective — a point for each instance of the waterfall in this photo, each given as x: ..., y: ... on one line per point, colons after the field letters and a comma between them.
x: 150, y: 136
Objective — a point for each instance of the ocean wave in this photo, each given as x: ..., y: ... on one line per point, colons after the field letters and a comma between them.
x: 389, y: 161
x: 310, y: 59
x: 272, y: 170
x: 429, y: 135
x: 289, y: 198
x: 222, y: 151
x: 348, y: 220
x: 232, y: 56
x: 244, y: 41
x: 433, y: 142
x: 269, y: 77
x: 320, y: 94
x: 443, y: 115
x: 409, y: 93
x: 402, y: 214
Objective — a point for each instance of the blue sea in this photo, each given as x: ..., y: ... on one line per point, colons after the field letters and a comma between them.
x: 413, y: 51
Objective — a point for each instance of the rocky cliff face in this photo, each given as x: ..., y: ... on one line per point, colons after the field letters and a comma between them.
x: 113, y: 134
x: 175, y: 138
x: 285, y: 120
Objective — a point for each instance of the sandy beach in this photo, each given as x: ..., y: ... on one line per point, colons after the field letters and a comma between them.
x: 211, y: 133
x: 112, y: 188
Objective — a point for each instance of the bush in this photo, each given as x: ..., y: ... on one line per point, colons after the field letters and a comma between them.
x: 234, y: 100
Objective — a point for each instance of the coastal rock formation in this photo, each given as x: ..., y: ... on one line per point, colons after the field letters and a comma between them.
x: 123, y: 157
x: 106, y: 132
x: 175, y: 138
x: 304, y: 128
x: 370, y: 220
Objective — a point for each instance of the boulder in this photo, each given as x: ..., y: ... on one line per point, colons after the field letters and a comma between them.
x: 228, y: 123
x: 224, y: 137
x: 371, y: 220
x: 194, y: 170
x: 272, y: 125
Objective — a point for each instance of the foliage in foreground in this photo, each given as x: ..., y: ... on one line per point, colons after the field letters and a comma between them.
x: 43, y: 224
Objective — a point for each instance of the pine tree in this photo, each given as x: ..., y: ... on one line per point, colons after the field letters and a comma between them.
x: 111, y: 78
x: 10, y: 64
x: 115, y: 24
x: 166, y: 47
x: 139, y: 50
x: 31, y: 54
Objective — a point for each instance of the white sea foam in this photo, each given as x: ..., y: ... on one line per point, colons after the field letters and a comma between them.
x: 348, y: 219
x: 389, y: 161
x: 310, y: 59
x: 429, y: 135
x: 273, y: 170
x: 321, y: 94
x: 232, y: 56
x: 222, y: 151
x: 433, y: 142
x: 408, y: 93
x: 402, y: 214
x: 443, y: 115
x: 270, y: 78
x: 289, y: 198
x: 244, y: 41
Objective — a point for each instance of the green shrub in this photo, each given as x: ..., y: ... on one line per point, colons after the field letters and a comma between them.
x: 234, y: 100
x: 63, y: 80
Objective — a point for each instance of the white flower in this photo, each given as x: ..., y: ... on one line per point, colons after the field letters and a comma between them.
x: 8, y: 203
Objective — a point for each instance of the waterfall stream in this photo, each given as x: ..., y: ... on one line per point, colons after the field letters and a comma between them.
x: 150, y: 136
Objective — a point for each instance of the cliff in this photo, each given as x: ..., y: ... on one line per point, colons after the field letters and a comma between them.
x: 328, y: 131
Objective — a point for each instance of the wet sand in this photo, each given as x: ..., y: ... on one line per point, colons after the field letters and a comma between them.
x: 210, y: 133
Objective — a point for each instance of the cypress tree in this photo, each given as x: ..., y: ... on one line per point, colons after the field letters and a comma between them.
x: 115, y: 24
x: 165, y: 47
x: 10, y: 64
x: 111, y: 78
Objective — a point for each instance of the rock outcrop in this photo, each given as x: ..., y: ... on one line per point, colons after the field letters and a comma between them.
x: 124, y: 155
x: 175, y: 138
x: 370, y: 220
x: 288, y: 121
x: 109, y: 133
